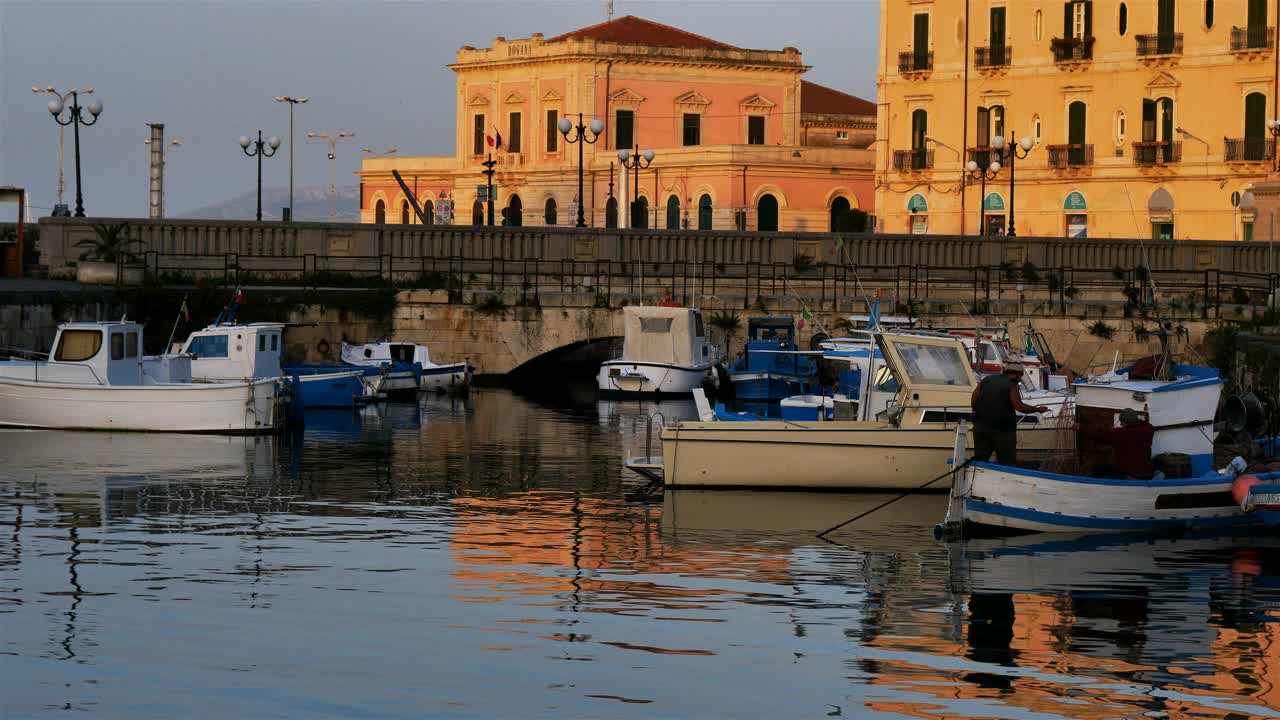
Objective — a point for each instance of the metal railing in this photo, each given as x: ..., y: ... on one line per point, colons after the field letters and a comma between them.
x: 1072, y: 155
x: 914, y: 62
x: 909, y: 160
x: 1072, y: 49
x: 992, y: 56
x: 1245, y: 39
x: 1254, y: 149
x: 983, y: 155
x: 1157, y: 152
x: 1169, y: 43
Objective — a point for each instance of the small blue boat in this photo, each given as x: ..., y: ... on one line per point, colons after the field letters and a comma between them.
x: 327, y: 386
x: 771, y: 367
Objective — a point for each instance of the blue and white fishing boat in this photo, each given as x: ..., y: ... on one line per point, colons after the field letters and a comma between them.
x: 1179, y: 402
x: 408, y: 368
x: 771, y: 367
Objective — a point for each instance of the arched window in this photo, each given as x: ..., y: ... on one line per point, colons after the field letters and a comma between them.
x: 841, y: 215
x: 704, y: 212
x: 1208, y: 14
x: 1035, y: 128
x: 640, y: 214
x: 404, y: 212
x: 611, y: 213
x: 1038, y: 25
x: 513, y: 214
x: 673, y: 213
x: 1123, y: 25
x: 380, y: 213
x: 1122, y: 127
x: 428, y: 212
x: 477, y: 213
x: 549, y: 212
x: 767, y: 214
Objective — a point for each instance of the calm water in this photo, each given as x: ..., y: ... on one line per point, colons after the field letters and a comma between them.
x: 484, y: 558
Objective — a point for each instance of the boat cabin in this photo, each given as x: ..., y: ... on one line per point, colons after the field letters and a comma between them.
x: 659, y: 335
x: 92, y: 353
x: 771, y: 347
x: 235, y: 352
x: 386, y: 353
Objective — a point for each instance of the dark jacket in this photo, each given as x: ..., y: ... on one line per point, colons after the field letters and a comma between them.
x: 993, y: 405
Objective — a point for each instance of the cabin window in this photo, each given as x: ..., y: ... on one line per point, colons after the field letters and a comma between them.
x: 932, y: 364
x: 208, y: 346
x: 117, y: 346
x: 78, y: 345
x: 946, y: 416
x: 698, y: 330
x: 262, y: 343
x: 401, y: 353
x: 131, y: 344
x: 368, y: 353
x: 275, y: 343
x: 655, y: 325
x: 772, y: 332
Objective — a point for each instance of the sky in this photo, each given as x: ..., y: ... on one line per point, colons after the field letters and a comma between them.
x: 209, y: 69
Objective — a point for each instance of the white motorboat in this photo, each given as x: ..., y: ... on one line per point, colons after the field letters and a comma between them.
x: 399, y: 358
x: 664, y: 352
x: 94, y: 380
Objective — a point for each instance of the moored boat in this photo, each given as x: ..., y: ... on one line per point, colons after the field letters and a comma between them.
x: 664, y: 352
x: 408, y: 368
x: 770, y: 366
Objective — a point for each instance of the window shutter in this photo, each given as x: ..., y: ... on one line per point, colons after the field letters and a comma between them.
x: 1088, y: 19
x: 1148, y: 120
x: 1068, y: 26
x: 983, y: 128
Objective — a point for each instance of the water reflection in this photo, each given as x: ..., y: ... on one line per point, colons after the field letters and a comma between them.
x: 477, y: 557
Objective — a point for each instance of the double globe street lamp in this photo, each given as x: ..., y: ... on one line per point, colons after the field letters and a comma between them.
x: 634, y: 161
x: 1011, y: 152
x: 333, y: 150
x: 580, y: 137
x: 259, y: 151
x: 75, y: 118
x: 982, y: 174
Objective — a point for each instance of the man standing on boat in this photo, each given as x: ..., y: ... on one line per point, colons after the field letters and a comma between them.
x: 996, y: 403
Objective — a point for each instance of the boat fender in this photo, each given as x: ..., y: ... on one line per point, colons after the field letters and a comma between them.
x: 1240, y: 487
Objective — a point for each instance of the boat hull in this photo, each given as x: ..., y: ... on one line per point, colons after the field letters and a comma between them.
x: 232, y: 408
x: 331, y: 390
x: 454, y: 377
x: 817, y: 455
x: 995, y: 499
x: 767, y: 386
x: 619, y: 377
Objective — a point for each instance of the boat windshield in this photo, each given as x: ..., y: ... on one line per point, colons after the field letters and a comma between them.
x: 78, y: 345
x: 929, y: 364
x: 771, y: 332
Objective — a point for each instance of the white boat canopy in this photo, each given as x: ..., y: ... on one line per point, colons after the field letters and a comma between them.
x: 666, y: 335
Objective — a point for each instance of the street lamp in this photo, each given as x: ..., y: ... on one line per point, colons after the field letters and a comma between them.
x: 1273, y: 126
x: 75, y: 119
x: 157, y: 169
x: 632, y: 160
x: 333, y: 146
x: 260, y: 152
x: 580, y: 137
x: 292, y: 101
x: 982, y: 174
x: 375, y: 153
x: 1011, y: 152
x: 48, y: 90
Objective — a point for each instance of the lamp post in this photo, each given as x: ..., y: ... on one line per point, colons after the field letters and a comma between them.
x: 1011, y: 152
x: 292, y: 101
x: 634, y: 161
x: 580, y: 137
x: 1273, y: 127
x: 983, y: 174
x: 158, y: 162
x: 75, y: 119
x: 260, y: 151
x: 333, y: 146
x: 48, y: 90
x: 1247, y: 203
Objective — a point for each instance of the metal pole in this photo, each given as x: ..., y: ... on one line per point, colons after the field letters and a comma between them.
x: 61, y: 133
x: 290, y: 161
x: 333, y: 149
x: 75, y: 120
x: 259, y: 154
x: 581, y: 198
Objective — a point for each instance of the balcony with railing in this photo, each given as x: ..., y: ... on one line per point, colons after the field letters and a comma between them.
x: 1252, y: 39
x: 912, y: 160
x: 1160, y: 44
x: 1156, y: 152
x: 983, y: 155
x: 1254, y: 149
x: 994, y: 56
x: 914, y: 62
x: 1072, y: 155
x: 1066, y: 50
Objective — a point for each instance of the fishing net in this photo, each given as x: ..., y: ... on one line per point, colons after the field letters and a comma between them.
x: 1063, y: 458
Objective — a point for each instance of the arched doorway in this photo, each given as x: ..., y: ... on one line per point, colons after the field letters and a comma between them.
x: 767, y: 213
x: 1160, y: 210
x: 428, y: 213
x: 640, y: 214
x: 611, y: 213
x: 404, y: 212
x: 513, y: 214
x: 841, y: 215
x: 673, y: 213
x: 704, y: 212
x: 477, y: 213
x: 549, y: 212
x: 380, y: 213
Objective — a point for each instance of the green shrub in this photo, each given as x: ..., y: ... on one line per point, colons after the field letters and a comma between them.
x: 1102, y: 330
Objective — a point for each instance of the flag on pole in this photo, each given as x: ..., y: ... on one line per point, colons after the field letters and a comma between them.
x: 494, y: 140
x: 186, y: 312
x: 804, y: 315
x: 873, y: 316
x: 239, y: 295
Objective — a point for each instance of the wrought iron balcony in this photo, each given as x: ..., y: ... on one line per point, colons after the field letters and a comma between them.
x: 1074, y: 155
x: 1072, y: 49
x: 1157, y: 152
x: 1246, y: 39
x: 1255, y: 149
x: 915, y: 62
x: 993, y: 56
x: 912, y: 160
x: 983, y: 155
x: 1160, y: 44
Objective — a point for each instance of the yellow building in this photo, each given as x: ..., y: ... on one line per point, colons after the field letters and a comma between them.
x: 741, y: 139
x: 1146, y: 118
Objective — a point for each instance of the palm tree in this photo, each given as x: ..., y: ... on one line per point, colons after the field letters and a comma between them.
x: 728, y: 323
x: 111, y: 244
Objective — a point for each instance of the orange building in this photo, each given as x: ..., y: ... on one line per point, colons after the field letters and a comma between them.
x: 741, y: 140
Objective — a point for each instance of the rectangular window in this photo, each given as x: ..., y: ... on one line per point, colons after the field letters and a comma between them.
x: 692, y: 129
x: 1077, y: 20
x: 553, y: 131
x: 131, y: 345
x: 262, y: 343
x: 655, y: 325
x: 1247, y: 232
x: 78, y: 345
x: 275, y: 343
x: 117, y: 346
x: 477, y: 142
x: 755, y: 130
x: 208, y: 346
x: 513, y: 129
x: 842, y: 134
x: 624, y: 130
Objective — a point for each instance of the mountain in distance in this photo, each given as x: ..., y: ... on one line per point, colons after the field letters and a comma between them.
x: 310, y: 204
